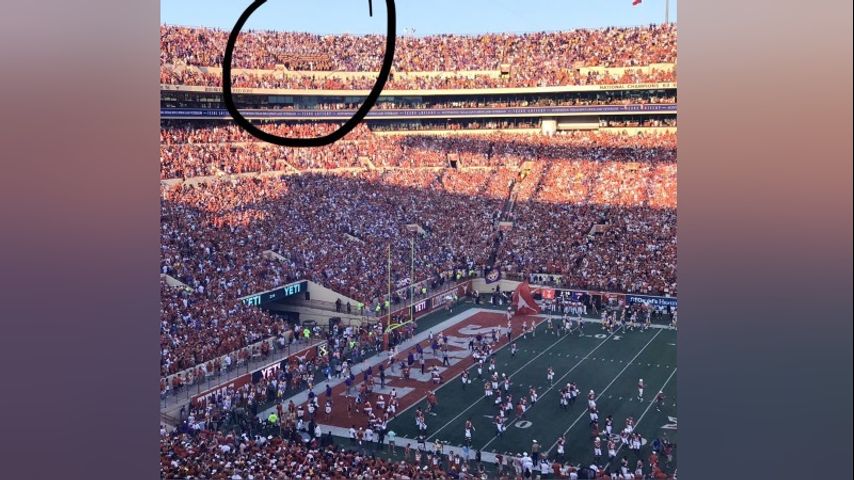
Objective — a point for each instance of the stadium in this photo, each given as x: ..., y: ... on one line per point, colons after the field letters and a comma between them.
x: 429, y: 296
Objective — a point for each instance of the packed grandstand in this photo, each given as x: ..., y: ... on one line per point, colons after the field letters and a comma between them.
x: 571, y: 199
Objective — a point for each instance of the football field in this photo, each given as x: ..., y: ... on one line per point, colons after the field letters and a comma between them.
x: 608, y: 364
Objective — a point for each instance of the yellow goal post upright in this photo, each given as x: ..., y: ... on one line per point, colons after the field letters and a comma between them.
x: 390, y: 325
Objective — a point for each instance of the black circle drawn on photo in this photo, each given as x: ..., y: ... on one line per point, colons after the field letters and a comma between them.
x: 349, y: 125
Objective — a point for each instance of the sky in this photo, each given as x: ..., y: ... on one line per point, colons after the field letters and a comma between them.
x: 426, y: 17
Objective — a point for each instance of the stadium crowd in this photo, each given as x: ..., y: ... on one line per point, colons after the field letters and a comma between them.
x: 193, y: 152
x: 329, y: 228
x: 515, y: 60
x: 213, y: 455
x: 530, y: 52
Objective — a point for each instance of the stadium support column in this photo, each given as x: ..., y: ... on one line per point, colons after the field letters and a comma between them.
x: 666, y: 12
x: 548, y: 126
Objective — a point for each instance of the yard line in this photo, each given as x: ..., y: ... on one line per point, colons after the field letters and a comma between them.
x: 494, y: 437
x: 628, y: 364
x: 510, y: 376
x: 645, y: 412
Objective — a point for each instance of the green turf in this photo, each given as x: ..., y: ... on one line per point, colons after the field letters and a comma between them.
x: 601, y: 364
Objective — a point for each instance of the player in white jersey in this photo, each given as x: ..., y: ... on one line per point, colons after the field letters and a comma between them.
x: 640, y: 389
x: 636, y: 443
x: 550, y: 376
x: 597, y: 448
x: 499, y: 424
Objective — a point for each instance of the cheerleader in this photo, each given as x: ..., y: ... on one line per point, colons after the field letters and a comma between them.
x: 636, y: 443
x: 419, y: 420
x: 561, y: 447
x: 469, y: 429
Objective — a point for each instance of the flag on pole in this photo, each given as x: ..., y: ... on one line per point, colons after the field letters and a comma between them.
x: 636, y: 2
x: 523, y: 300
